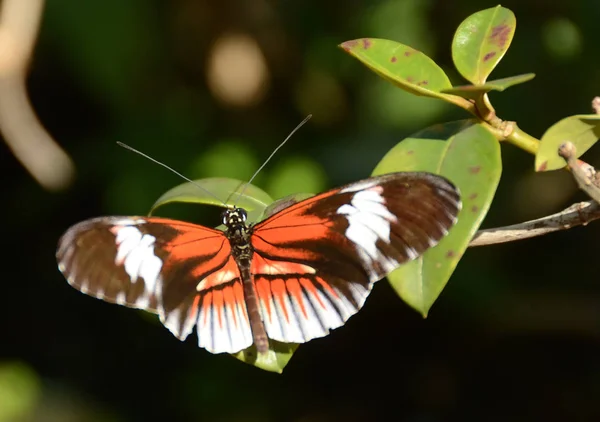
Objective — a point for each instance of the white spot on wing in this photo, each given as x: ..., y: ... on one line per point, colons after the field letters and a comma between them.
x: 143, y: 302
x: 369, y: 220
x: 271, y: 321
x: 99, y: 293
x: 135, y: 251
x: 345, y: 307
x: 211, y: 279
x: 129, y: 221
x: 173, y: 323
x: 290, y: 328
x: 121, y: 297
x: 310, y: 323
x: 275, y: 268
x: 220, y: 330
x: 411, y: 252
x: 327, y: 313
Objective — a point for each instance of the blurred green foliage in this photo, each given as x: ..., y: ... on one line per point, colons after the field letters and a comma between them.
x: 568, y: 33
x: 19, y: 391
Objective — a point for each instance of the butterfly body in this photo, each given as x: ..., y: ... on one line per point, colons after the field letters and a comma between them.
x: 238, y: 234
x: 292, y: 277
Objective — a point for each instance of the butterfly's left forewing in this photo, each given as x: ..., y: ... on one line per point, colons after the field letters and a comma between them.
x: 182, y: 271
x: 316, y: 261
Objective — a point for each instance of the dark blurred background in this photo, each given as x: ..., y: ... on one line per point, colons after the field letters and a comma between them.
x: 211, y: 88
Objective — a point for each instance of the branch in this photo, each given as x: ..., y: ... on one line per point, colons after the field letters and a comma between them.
x: 584, y: 174
x: 582, y: 213
x: 31, y: 144
x: 576, y: 215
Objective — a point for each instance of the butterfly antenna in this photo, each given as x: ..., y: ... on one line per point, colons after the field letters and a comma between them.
x: 121, y: 144
x: 271, y: 156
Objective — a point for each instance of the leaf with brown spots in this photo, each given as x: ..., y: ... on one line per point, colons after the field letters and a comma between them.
x: 400, y: 64
x: 475, y: 91
x: 453, y: 150
x: 582, y: 130
x: 481, y: 41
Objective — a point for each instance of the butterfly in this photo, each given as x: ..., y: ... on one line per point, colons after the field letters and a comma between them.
x: 292, y: 277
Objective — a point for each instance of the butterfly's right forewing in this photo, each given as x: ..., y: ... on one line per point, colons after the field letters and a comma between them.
x: 316, y: 261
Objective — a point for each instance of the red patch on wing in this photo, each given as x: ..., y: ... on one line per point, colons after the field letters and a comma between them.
x: 238, y: 293
x: 311, y: 289
x: 327, y: 287
x: 262, y: 265
x: 229, y: 298
x: 218, y: 306
x: 280, y: 293
x: 194, y: 308
x: 206, y: 303
x: 263, y: 290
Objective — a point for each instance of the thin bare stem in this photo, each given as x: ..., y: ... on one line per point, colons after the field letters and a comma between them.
x: 576, y: 215
x: 584, y: 174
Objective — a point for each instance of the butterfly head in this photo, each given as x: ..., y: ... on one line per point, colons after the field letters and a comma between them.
x: 234, y: 217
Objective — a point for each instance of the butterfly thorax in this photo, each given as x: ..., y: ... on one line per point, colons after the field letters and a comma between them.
x: 238, y: 233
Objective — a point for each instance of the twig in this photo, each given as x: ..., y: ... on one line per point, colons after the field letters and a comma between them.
x: 584, y: 174
x: 29, y: 141
x: 576, y: 215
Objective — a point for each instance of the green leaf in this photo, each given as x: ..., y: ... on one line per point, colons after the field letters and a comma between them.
x: 582, y: 130
x: 481, y: 41
x: 274, y: 360
x: 402, y: 65
x: 471, y: 159
x: 475, y: 91
x: 219, y: 191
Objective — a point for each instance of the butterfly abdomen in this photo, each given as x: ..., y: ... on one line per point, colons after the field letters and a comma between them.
x: 257, y: 326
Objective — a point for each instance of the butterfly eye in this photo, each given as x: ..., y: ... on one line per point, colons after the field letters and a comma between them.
x: 243, y: 214
x: 225, y: 216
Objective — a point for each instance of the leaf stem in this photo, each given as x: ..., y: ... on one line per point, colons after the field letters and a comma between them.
x: 467, y: 105
x: 523, y: 140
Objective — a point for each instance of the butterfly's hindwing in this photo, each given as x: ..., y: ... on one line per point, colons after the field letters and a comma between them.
x: 222, y: 320
x: 298, y: 304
